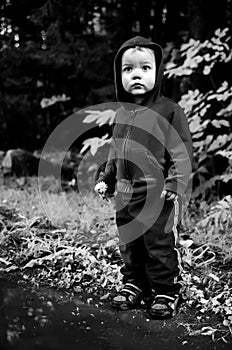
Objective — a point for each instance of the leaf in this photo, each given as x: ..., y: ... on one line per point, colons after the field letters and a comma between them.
x: 107, y: 117
x: 186, y: 242
x: 218, y: 123
x: 95, y: 143
x: 225, y: 112
x: 209, y: 138
x: 226, y: 177
x: 5, y: 261
x: 223, y: 87
x: 198, y: 144
x: 207, y: 70
x: 33, y: 263
x: 197, y: 135
x: 202, y: 169
x: 220, y: 141
x: 11, y: 268
x: 100, y: 117
x: 195, y: 124
x: 46, y: 102
x: 214, y: 277
x: 105, y: 296
x: 208, y: 330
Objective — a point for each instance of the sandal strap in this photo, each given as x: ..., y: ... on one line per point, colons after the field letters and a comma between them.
x: 167, y: 300
x: 131, y: 294
x: 167, y: 297
x: 165, y: 306
x: 131, y: 289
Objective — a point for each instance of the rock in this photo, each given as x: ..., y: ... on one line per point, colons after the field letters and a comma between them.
x: 21, y: 163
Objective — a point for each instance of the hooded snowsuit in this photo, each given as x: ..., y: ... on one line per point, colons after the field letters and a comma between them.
x: 150, y: 151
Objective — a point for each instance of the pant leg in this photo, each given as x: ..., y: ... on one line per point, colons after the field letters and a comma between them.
x: 163, y: 263
x: 133, y: 251
x: 134, y: 255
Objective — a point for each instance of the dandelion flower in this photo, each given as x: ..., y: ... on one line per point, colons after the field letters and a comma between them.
x: 101, y: 187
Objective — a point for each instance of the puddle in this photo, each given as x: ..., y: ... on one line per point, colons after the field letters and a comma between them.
x: 41, y: 318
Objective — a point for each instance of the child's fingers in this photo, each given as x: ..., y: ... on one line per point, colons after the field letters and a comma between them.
x: 99, y: 193
x: 171, y: 196
x: 163, y: 194
x: 103, y: 196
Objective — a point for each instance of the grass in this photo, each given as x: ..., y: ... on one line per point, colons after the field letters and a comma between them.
x: 69, y: 240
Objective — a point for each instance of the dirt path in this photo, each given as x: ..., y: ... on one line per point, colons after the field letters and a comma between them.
x: 36, y: 319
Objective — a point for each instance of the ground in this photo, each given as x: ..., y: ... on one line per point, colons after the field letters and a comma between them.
x: 59, y: 263
x: 42, y: 318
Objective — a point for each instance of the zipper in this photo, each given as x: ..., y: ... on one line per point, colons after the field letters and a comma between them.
x: 125, y: 149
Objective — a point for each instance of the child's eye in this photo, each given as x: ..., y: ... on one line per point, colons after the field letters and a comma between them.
x: 127, y: 69
x: 146, y: 67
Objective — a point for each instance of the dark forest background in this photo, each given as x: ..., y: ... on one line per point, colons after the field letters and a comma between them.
x: 56, y: 56
x: 56, y: 61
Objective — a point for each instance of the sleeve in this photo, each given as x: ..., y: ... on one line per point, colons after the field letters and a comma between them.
x: 107, y: 172
x: 179, y: 149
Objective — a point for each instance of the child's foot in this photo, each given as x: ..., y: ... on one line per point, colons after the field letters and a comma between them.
x: 128, y: 298
x: 164, y: 306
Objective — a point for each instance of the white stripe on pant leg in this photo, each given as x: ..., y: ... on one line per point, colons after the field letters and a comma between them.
x: 176, y: 218
x: 175, y: 232
x: 179, y: 260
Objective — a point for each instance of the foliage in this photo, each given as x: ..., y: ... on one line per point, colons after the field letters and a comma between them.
x: 207, y: 261
x: 55, y: 48
x: 100, y: 118
x: 205, y: 54
x: 208, y: 112
x: 78, y: 251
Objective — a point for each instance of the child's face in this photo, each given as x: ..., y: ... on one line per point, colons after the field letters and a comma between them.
x: 138, y: 71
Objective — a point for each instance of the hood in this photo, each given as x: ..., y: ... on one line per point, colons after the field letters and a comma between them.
x: 151, y: 96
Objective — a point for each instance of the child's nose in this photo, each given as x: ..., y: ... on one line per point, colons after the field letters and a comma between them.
x: 136, y: 74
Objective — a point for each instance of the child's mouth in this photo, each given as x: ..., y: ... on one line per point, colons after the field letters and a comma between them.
x: 137, y: 85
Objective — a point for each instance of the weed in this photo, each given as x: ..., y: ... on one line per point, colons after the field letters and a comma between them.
x: 74, y: 245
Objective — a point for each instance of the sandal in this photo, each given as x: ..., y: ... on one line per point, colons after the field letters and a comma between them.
x: 128, y: 297
x: 164, y: 306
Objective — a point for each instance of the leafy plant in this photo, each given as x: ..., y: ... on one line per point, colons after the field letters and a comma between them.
x: 208, y: 112
x: 78, y: 252
x: 100, y: 118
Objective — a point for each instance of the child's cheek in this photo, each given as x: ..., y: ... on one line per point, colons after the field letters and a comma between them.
x: 125, y: 82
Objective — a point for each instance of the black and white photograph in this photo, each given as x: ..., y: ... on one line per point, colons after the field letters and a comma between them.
x: 115, y: 175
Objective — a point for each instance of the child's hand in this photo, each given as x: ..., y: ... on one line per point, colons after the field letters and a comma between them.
x: 101, y: 188
x: 168, y: 195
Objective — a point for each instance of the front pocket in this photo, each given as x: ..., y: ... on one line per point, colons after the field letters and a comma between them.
x: 124, y: 186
